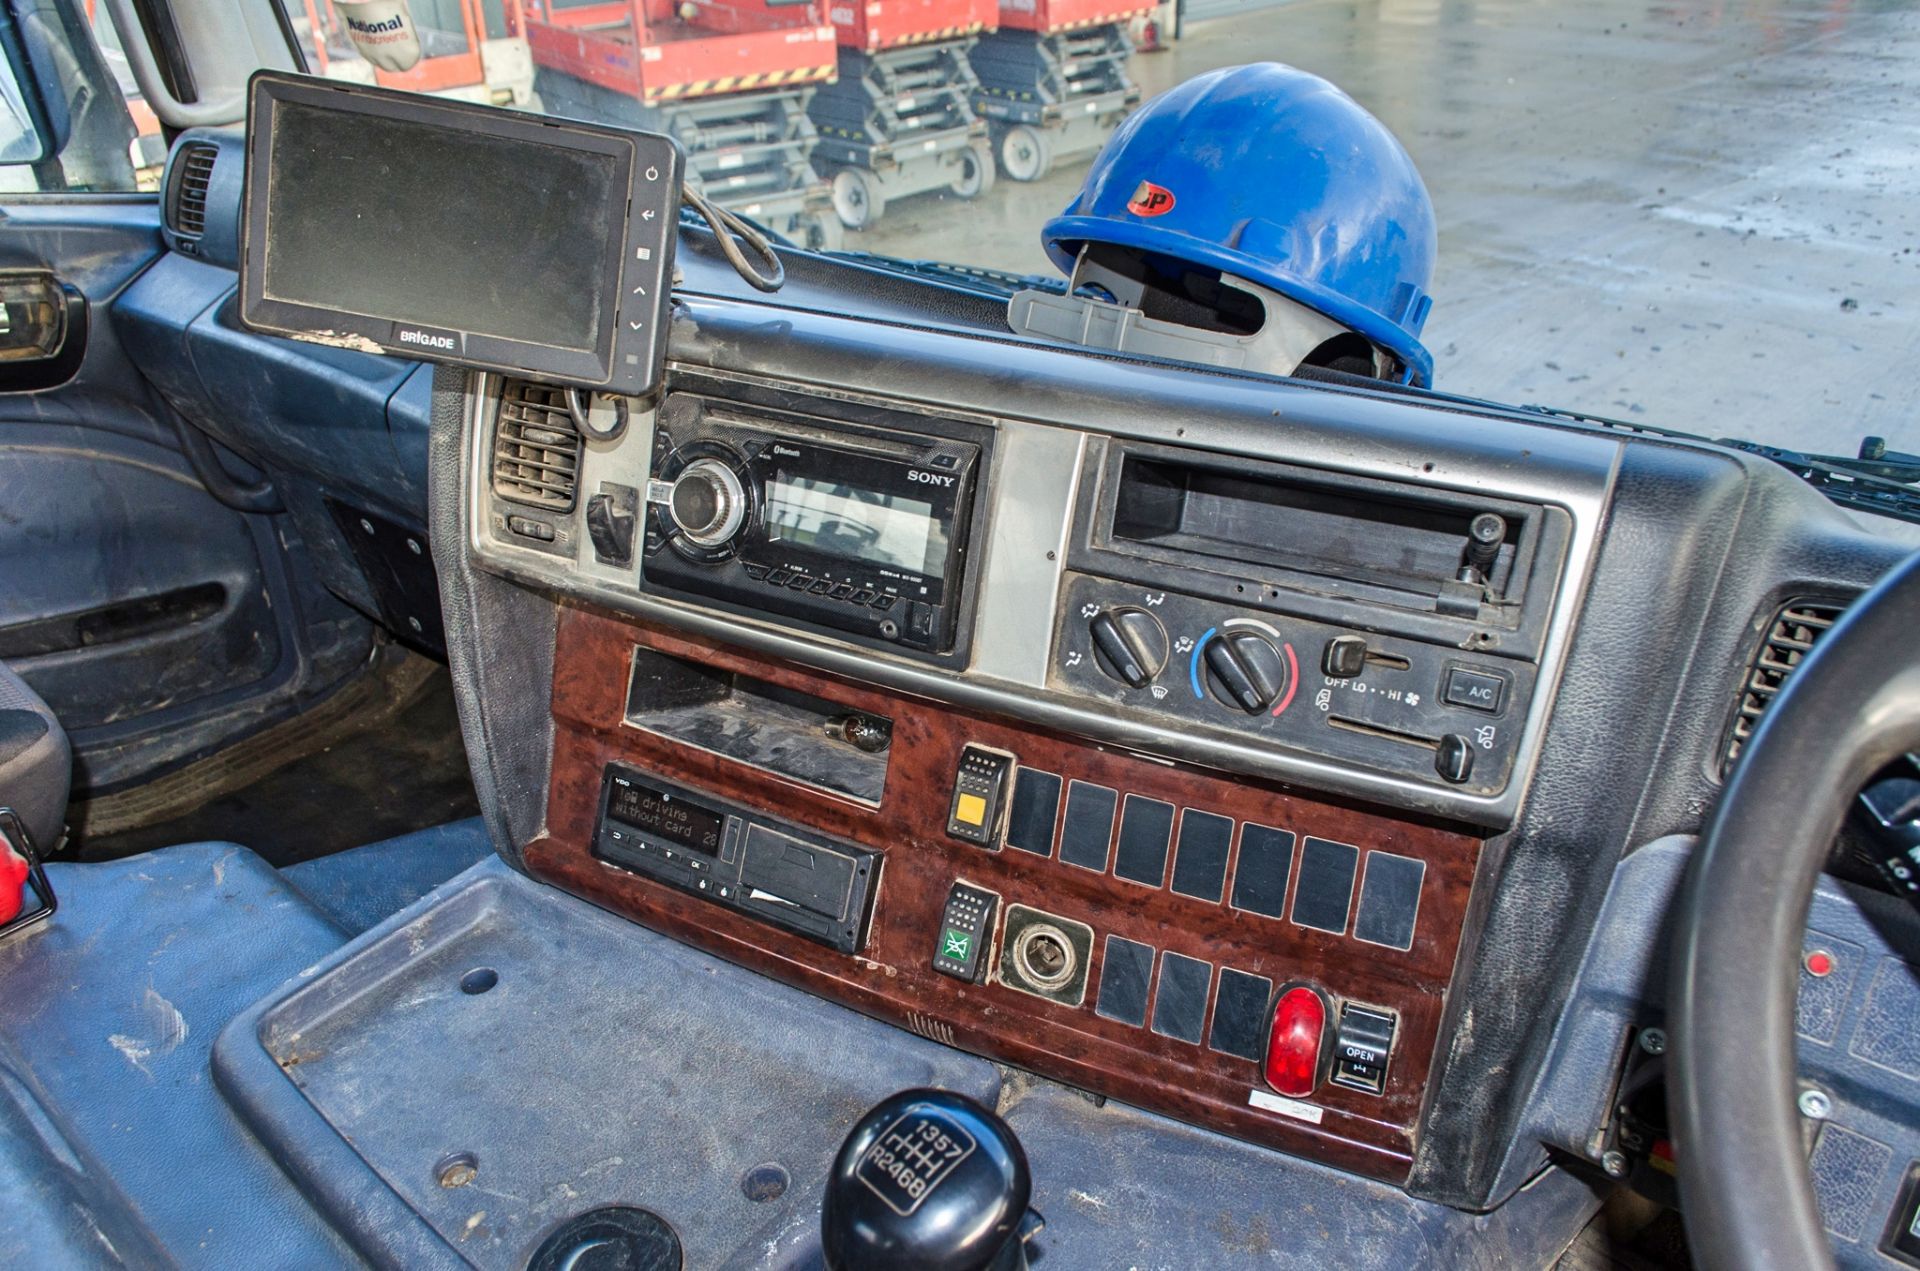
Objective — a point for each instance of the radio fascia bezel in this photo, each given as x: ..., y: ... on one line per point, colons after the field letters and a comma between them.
x: 858, y: 451
x: 723, y: 583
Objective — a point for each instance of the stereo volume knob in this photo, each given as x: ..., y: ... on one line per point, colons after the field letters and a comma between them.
x: 707, y: 503
x: 1129, y: 644
x: 1246, y: 670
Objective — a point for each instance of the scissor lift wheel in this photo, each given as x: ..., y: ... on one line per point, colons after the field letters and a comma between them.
x: 1025, y: 153
x: 821, y: 232
x: 896, y: 123
x: 975, y: 176
x: 858, y: 198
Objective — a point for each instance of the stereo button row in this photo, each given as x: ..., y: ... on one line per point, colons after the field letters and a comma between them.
x: 793, y: 580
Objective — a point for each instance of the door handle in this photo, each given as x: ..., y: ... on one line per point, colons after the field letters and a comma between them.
x: 43, y: 330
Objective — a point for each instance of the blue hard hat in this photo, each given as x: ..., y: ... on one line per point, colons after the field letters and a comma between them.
x: 1274, y: 175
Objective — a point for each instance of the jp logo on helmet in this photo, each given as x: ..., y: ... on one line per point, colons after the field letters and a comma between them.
x: 1150, y: 200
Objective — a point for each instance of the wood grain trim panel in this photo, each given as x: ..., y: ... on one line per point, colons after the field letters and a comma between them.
x: 894, y: 980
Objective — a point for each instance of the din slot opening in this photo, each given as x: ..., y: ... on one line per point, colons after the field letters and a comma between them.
x: 1389, y: 734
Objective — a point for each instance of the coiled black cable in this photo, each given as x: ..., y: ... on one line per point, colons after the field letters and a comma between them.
x: 727, y: 228
x: 580, y: 403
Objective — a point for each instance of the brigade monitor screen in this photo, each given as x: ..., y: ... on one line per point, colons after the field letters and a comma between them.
x: 454, y: 232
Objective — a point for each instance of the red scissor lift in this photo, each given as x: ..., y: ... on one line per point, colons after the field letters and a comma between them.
x: 899, y: 120
x: 728, y: 81
x: 1053, y: 79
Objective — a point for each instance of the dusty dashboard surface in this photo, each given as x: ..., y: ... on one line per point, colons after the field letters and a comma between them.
x: 1157, y: 760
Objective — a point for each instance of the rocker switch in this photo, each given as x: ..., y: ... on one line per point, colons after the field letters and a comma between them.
x: 966, y: 928
x: 1360, y: 1048
x: 979, y: 794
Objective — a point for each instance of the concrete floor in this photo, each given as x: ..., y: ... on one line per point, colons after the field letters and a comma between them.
x: 1704, y: 216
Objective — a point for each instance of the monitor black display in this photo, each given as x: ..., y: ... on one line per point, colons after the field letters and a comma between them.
x: 455, y: 232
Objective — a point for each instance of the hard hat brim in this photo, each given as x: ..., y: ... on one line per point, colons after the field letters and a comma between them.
x: 1063, y: 235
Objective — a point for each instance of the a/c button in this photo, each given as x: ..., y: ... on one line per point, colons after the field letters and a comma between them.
x: 1476, y: 690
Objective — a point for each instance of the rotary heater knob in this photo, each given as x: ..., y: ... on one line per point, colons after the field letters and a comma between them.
x: 707, y: 503
x: 1129, y: 644
x: 1245, y: 670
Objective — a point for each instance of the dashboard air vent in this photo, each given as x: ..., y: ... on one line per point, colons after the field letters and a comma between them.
x: 536, y: 452
x: 187, y: 209
x: 1793, y: 633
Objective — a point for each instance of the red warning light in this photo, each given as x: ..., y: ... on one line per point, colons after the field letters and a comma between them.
x: 1294, y: 1045
x: 1819, y: 964
x: 1150, y: 200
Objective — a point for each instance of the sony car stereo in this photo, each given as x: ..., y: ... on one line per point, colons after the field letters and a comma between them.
x: 852, y: 525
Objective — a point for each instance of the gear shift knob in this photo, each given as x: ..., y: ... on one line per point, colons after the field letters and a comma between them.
x: 929, y: 1180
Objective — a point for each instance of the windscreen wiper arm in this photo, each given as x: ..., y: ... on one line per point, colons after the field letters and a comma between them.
x: 1850, y: 482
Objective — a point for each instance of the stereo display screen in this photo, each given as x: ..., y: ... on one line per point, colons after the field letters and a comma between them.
x: 854, y: 523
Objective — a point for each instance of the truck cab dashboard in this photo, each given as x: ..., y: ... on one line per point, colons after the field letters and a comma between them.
x: 1211, y: 717
x: 1133, y: 754
x: 1253, y: 786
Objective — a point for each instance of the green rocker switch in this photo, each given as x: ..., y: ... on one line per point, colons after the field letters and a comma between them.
x: 966, y: 928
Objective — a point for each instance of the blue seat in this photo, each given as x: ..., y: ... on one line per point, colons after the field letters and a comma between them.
x: 113, y: 1138
x: 36, y: 764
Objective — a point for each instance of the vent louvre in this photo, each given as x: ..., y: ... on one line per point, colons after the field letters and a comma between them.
x: 536, y: 452
x: 1795, y: 630
x: 188, y: 211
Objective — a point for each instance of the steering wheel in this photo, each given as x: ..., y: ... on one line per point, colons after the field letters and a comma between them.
x: 1850, y: 708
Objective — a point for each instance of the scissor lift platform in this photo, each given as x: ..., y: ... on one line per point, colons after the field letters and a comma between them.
x: 1053, y: 81
x: 900, y: 118
x: 729, y: 82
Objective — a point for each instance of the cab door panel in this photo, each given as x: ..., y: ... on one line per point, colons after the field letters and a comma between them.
x: 157, y: 622
x: 124, y: 589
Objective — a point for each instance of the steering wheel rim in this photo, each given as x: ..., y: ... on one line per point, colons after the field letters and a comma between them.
x: 1746, y: 1192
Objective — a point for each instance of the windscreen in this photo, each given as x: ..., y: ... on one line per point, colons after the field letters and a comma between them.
x: 440, y: 227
